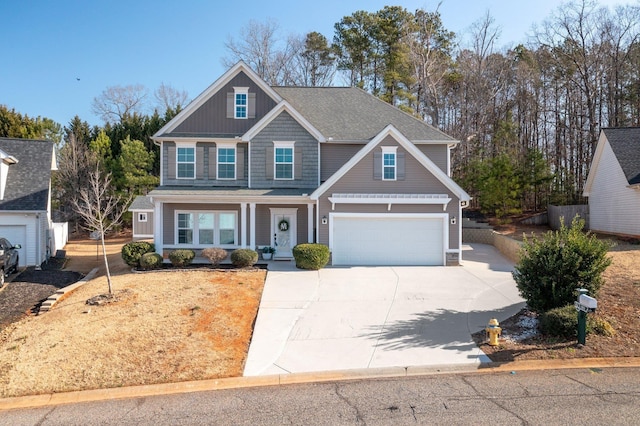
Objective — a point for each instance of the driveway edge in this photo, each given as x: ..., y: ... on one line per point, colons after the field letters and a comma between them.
x: 35, y: 401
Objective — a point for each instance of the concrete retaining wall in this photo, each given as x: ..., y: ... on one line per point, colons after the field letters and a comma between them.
x: 509, y: 247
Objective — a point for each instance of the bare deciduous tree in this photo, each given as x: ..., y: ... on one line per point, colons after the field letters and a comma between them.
x: 100, y: 209
x: 118, y: 102
x: 170, y: 98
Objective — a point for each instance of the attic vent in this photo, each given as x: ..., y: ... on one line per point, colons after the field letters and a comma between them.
x: 10, y: 159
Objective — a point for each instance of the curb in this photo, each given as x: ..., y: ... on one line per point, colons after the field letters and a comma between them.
x: 142, y: 391
x: 54, y: 298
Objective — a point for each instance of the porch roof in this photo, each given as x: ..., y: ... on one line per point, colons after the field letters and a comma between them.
x: 236, y: 193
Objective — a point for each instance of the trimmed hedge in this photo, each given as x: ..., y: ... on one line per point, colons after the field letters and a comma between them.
x: 150, y: 261
x: 311, y: 256
x: 242, y: 258
x: 181, y: 257
x: 563, y: 322
x: 215, y: 255
x: 132, y: 252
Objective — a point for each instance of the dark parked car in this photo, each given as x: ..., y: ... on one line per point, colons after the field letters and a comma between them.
x: 9, y: 259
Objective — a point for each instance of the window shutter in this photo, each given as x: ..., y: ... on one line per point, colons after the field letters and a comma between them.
x: 251, y: 100
x: 213, y: 159
x: 297, y: 164
x: 199, y: 161
x: 239, y: 163
x: 268, y: 164
x: 230, y: 104
x: 400, y: 166
x: 377, y: 166
x: 171, y: 161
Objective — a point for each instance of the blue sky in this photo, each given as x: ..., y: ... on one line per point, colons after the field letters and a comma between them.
x: 47, y: 45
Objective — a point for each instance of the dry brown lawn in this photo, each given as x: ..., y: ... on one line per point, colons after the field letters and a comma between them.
x: 166, y: 326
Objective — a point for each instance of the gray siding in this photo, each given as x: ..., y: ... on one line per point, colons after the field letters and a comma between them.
x: 334, y: 156
x: 142, y: 228
x: 263, y: 222
x: 359, y: 179
x: 205, y: 166
x: 436, y: 153
x: 211, y: 117
x: 284, y: 128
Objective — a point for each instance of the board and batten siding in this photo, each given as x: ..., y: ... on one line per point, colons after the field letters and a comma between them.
x: 418, y: 180
x: 206, y: 163
x: 211, y: 117
x: 613, y: 206
x: 284, y: 128
x: 142, y: 229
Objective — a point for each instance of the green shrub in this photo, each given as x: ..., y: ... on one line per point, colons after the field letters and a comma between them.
x: 311, y: 256
x: 551, y: 268
x: 181, y: 257
x: 132, y: 252
x: 241, y: 258
x: 561, y: 322
x: 214, y: 255
x: 150, y: 261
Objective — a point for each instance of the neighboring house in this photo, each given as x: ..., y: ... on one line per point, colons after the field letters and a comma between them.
x: 25, y: 197
x: 250, y: 165
x: 142, y: 217
x: 613, y: 184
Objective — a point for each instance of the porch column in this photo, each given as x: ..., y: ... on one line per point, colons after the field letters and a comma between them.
x: 243, y: 224
x: 252, y: 221
x: 309, y: 223
x: 157, y: 227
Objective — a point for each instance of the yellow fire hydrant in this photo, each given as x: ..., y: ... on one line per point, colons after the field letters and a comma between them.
x: 493, y: 331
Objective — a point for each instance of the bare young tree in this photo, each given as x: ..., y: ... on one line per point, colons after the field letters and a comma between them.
x: 100, y: 209
x: 118, y: 102
x: 169, y: 97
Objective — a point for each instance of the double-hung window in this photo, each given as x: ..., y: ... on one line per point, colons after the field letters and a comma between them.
x: 226, y: 162
x: 283, y: 160
x: 389, y: 163
x: 186, y: 163
x: 241, y: 102
x: 205, y: 228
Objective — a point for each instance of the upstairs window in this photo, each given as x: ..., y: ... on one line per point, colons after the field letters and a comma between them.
x: 186, y: 163
x: 389, y: 163
x: 226, y: 162
x: 283, y: 161
x: 241, y: 102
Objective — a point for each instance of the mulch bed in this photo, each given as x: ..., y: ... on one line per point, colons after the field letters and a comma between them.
x: 26, y: 292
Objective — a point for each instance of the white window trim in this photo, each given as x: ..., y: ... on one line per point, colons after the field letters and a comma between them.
x: 142, y: 217
x: 285, y: 144
x: 240, y: 91
x: 195, y: 153
x: 233, y: 146
x: 390, y: 150
x: 216, y: 228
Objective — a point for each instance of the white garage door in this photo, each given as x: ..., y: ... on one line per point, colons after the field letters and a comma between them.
x: 16, y: 234
x: 387, y: 239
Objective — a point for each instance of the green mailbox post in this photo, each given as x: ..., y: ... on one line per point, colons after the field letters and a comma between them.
x: 584, y: 305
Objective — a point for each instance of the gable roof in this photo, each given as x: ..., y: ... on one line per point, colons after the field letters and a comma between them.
x: 390, y: 130
x: 283, y: 106
x: 28, y: 180
x: 625, y: 143
x: 353, y: 115
x: 141, y: 203
x: 212, y: 90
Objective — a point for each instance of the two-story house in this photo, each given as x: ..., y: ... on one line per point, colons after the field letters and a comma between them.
x: 250, y: 165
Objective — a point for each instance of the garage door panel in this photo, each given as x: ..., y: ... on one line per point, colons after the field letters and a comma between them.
x: 387, y: 240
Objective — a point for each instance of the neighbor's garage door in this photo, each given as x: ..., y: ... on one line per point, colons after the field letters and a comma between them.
x: 16, y: 234
x: 387, y: 240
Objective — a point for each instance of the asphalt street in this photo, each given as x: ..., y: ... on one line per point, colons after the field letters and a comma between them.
x: 571, y: 396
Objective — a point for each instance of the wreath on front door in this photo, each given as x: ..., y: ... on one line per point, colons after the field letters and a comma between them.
x: 283, y: 225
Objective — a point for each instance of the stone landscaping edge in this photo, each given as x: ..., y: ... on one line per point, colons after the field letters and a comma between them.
x: 53, y: 299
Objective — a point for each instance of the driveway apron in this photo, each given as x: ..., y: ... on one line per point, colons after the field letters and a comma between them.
x: 342, y: 318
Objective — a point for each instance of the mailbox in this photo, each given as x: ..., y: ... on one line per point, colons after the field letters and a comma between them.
x: 588, y: 302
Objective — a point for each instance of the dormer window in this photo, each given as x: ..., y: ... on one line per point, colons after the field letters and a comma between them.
x: 241, y: 102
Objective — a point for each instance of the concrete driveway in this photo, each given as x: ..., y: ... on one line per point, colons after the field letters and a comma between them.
x: 375, y: 317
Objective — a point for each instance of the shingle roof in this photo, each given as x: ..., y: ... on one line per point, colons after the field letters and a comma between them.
x: 230, y: 191
x: 27, y: 186
x: 141, y: 202
x: 625, y: 142
x: 351, y: 114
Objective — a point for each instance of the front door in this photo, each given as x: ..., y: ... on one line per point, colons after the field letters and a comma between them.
x: 283, y: 231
